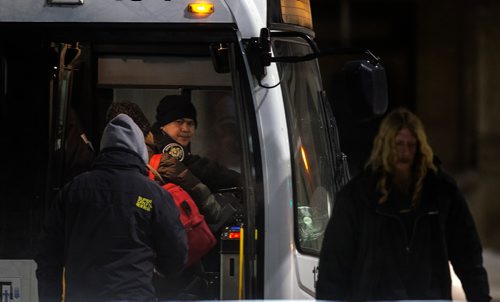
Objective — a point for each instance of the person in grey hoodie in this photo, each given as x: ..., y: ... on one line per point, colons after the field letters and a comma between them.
x: 111, y: 227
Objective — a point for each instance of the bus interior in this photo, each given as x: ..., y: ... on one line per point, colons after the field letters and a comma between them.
x: 53, y: 80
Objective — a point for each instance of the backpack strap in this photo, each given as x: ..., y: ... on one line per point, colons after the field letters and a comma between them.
x: 154, y: 163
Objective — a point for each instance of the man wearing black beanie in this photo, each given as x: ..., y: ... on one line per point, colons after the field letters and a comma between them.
x: 174, y: 107
x: 176, y: 117
x: 173, y: 130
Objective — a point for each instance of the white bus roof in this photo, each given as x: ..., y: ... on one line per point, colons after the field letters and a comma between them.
x: 249, y: 15
x: 103, y: 11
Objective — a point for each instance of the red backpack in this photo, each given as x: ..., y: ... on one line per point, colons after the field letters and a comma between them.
x: 200, y: 238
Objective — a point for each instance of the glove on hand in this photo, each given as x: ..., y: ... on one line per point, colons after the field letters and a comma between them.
x: 206, y: 202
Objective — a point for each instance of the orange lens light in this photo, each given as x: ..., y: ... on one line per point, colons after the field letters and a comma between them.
x: 297, y: 12
x: 201, y: 8
x: 234, y: 235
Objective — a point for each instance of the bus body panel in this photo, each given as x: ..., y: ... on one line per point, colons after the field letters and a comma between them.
x: 306, y: 268
x: 250, y: 16
x: 148, y: 11
x: 288, y: 274
x: 272, y: 125
x: 17, y: 278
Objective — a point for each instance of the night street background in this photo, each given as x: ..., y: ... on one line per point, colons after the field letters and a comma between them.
x: 441, y: 59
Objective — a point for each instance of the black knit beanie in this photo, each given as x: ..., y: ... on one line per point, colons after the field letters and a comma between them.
x: 174, y: 107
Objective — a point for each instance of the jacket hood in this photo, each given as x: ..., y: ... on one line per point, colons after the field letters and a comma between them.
x: 122, y: 132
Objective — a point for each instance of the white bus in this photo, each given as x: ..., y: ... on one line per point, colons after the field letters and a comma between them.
x: 252, y: 69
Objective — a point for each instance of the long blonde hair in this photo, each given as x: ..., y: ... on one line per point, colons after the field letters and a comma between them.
x: 382, y: 155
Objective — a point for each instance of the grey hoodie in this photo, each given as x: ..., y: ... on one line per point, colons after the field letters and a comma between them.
x: 122, y: 132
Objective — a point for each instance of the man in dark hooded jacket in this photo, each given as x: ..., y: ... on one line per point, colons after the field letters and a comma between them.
x: 109, y: 228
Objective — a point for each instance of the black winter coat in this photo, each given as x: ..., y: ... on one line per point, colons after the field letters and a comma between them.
x: 368, y: 254
x: 109, y: 228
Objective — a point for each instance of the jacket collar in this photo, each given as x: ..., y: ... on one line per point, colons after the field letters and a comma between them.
x: 119, y: 158
x: 162, y: 140
x: 427, y: 205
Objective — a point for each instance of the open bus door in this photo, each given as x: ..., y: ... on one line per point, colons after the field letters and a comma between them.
x: 70, y: 151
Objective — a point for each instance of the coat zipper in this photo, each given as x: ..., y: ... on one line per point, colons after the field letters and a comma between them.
x: 400, y: 222
x: 409, y: 244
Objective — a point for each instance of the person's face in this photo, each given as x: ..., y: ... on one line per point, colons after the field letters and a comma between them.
x: 405, y: 148
x: 181, y: 130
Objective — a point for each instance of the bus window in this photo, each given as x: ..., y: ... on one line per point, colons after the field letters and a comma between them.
x: 216, y: 138
x: 145, y: 80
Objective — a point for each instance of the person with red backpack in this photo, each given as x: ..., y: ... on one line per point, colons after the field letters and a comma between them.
x: 171, y: 169
x: 172, y: 172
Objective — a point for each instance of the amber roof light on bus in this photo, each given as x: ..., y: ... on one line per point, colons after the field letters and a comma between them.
x: 201, y: 8
x: 297, y: 12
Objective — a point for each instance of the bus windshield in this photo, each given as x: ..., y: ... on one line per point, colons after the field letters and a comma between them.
x: 308, y: 130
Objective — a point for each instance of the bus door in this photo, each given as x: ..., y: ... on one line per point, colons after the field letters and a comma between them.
x: 226, y: 133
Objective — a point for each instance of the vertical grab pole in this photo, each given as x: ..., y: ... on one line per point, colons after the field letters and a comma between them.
x: 240, y: 281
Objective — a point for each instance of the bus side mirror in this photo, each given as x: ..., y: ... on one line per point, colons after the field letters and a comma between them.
x: 366, y: 88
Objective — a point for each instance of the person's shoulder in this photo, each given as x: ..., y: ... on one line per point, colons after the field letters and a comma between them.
x: 360, y: 188
x: 79, y: 180
x: 443, y: 184
x: 441, y: 177
x: 446, y: 178
x: 364, y: 179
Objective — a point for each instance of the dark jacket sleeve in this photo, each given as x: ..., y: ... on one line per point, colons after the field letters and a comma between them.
x: 50, y: 253
x: 214, y: 175
x: 169, y: 236
x: 172, y: 170
x: 465, y: 250
x: 338, y: 251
